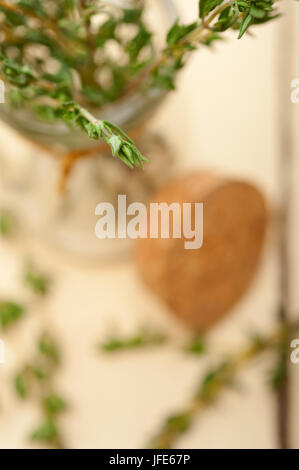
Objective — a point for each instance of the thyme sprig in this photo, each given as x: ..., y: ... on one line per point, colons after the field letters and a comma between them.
x: 7, y: 223
x: 36, y: 381
x: 37, y: 281
x: 24, y: 77
x: 10, y: 313
x: 147, y: 337
x: 197, y: 346
x: 56, y: 59
x: 216, y: 380
x: 142, y: 339
x: 216, y: 17
x: 120, y: 143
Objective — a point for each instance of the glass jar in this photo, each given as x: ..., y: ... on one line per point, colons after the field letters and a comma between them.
x: 29, y: 178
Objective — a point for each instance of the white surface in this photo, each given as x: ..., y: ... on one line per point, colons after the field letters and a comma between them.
x: 223, y: 117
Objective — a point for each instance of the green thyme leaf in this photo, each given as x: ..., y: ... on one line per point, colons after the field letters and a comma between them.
x: 140, y: 340
x: 115, y: 143
x: 256, y: 12
x: 197, y: 346
x: 6, y: 224
x: 47, y: 432
x: 20, y: 385
x: 10, y: 313
x: 37, y: 281
x: 245, y: 24
x: 179, y: 423
x: 48, y: 348
x: 54, y: 404
x: 206, y: 6
x: 178, y: 32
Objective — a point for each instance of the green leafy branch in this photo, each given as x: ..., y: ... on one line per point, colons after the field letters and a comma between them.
x: 145, y: 338
x: 197, y: 346
x: 216, y: 17
x: 39, y: 283
x: 120, y: 143
x: 22, y: 76
x: 12, y: 312
x: 65, y: 32
x: 142, y: 339
x: 6, y: 223
x: 221, y: 377
x: 36, y: 380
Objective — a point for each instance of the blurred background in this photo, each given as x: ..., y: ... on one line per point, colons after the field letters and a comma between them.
x: 230, y: 106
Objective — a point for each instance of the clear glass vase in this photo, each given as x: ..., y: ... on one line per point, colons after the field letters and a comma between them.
x: 29, y: 179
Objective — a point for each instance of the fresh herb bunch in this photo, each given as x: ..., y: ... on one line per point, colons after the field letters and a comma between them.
x: 223, y: 376
x: 63, y: 59
x: 142, y: 339
x: 36, y: 381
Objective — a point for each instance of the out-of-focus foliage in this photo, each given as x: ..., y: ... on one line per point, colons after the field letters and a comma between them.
x: 63, y: 58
